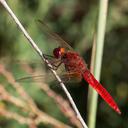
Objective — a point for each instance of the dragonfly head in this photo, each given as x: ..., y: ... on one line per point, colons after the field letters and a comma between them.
x: 58, y: 52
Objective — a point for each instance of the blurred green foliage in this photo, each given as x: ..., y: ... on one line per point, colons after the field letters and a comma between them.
x: 75, y: 21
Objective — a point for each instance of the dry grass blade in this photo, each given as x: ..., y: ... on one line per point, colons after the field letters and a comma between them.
x: 15, y: 116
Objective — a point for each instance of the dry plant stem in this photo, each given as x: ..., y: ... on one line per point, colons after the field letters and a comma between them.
x: 33, y: 44
x: 18, y: 88
x: 49, y: 120
x: 30, y: 104
x: 32, y: 125
x: 4, y: 95
x: 15, y: 116
x: 27, y: 120
x: 97, y: 60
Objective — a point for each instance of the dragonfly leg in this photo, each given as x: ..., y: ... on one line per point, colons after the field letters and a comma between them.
x: 48, y: 56
x: 53, y: 62
x: 55, y: 67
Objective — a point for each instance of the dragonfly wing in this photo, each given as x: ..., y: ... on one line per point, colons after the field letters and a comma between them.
x: 101, y: 90
x: 55, y: 36
x: 71, y: 77
x: 32, y: 78
x: 66, y: 77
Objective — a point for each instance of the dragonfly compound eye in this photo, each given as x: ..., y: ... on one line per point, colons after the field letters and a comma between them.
x: 57, y: 52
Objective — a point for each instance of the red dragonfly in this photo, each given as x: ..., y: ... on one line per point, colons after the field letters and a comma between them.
x: 75, y: 66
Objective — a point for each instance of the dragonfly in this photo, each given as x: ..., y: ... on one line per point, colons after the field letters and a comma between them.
x: 76, y: 67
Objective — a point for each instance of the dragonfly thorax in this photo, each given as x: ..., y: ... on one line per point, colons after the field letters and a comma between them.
x: 58, y: 52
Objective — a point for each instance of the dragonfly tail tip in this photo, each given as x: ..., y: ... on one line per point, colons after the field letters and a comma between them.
x: 118, y: 111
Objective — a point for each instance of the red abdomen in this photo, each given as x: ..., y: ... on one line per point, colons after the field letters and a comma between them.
x: 74, y: 63
x: 101, y: 90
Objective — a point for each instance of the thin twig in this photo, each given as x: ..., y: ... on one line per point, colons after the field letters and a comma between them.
x: 18, y: 88
x: 97, y: 60
x: 15, y: 116
x: 4, y: 95
x: 35, y: 47
x: 28, y: 121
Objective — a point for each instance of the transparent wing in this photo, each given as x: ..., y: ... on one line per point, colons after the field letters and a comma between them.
x: 55, y: 36
x: 71, y: 77
x: 32, y: 78
x: 66, y: 77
